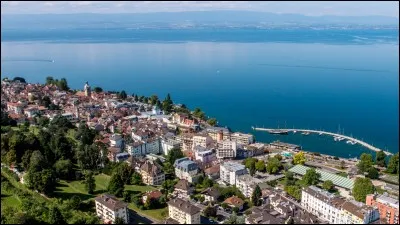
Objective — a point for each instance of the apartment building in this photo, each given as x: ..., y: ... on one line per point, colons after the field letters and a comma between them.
x: 336, y: 210
x: 230, y: 170
x: 183, y: 189
x: 116, y: 140
x: 226, y: 149
x: 169, y: 143
x: 246, y: 184
x: 218, y: 133
x: 388, y: 207
x: 182, y: 212
x: 108, y: 208
x: 204, y: 155
x: 202, y: 140
x: 186, y: 169
x: 152, y: 173
x: 241, y: 138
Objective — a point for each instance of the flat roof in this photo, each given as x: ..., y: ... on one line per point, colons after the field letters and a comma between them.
x: 336, y: 179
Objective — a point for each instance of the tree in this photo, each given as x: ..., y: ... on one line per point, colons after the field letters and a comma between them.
x: 119, y: 220
x: 90, y: 182
x: 252, y: 169
x: 63, y: 84
x: 260, y: 166
x: 299, y: 158
x: 55, y: 216
x: 212, y: 121
x: 98, y: 89
x: 289, y: 179
x: 294, y: 191
x: 116, y: 185
x: 136, y: 179
x: 49, y: 80
x: 373, y: 173
x: 85, y: 134
x: 327, y: 185
x: 11, y: 157
x: 88, y: 157
x: 362, y: 187
x: 174, y: 154
x: 235, y: 209
x: 278, y: 156
x: 247, y: 162
x: 127, y: 196
x: 125, y: 172
x: 20, y: 79
x: 273, y: 165
x: 153, y: 99
x: 122, y: 95
x: 393, y: 165
x: 380, y: 159
x: 75, y: 202
x: 224, y: 205
x: 365, y: 162
x: 210, y: 211
x: 64, y: 169
x: 168, y: 186
x: 342, y: 164
x: 136, y: 98
x: 311, y: 177
x: 256, y: 195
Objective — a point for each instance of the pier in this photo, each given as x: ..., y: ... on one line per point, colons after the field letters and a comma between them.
x: 341, y: 136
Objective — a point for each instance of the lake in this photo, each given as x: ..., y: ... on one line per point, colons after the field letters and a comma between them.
x: 313, y: 83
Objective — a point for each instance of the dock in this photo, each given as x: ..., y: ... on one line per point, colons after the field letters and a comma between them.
x: 339, y: 136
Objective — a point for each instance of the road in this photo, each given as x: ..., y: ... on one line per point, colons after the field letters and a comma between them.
x: 135, y: 217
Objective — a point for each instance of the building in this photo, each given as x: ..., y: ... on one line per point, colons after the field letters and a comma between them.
x: 235, y: 201
x: 226, y: 149
x: 212, y: 172
x: 156, y: 194
x: 282, y: 206
x: 358, y: 213
x: 121, y: 157
x: 260, y: 215
x: 152, y: 173
x: 70, y: 117
x: 87, y: 90
x: 211, y: 194
x: 230, y: 170
x: 336, y: 210
x: 243, y: 139
x: 108, y: 208
x: 252, y: 150
x: 388, y: 207
x: 337, y: 180
x: 183, y: 212
x: 168, y: 143
x: 202, y: 140
x: 246, y: 184
x: 183, y: 189
x: 218, y: 133
x: 322, y: 204
x: 284, y: 146
x: 186, y: 169
x: 116, y: 141
x: 206, y: 156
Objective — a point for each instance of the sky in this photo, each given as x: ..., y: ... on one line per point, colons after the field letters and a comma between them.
x: 344, y: 8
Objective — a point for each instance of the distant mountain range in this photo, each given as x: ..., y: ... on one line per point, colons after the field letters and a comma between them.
x: 15, y: 21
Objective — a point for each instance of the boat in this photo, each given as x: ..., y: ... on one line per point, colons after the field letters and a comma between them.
x: 305, y: 133
x: 341, y: 138
x: 294, y: 131
x: 336, y: 138
x: 283, y: 132
x: 320, y: 134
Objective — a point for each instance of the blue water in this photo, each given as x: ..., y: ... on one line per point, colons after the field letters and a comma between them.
x: 314, y: 83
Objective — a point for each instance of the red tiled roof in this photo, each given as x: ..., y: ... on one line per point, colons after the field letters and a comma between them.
x: 234, y: 201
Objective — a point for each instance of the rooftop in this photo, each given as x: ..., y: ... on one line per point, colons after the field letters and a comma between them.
x: 336, y: 179
x: 111, y: 202
x: 236, y: 201
x: 184, y: 206
x: 233, y: 166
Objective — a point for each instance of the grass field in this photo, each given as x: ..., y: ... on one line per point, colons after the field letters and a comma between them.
x: 65, y: 190
x: 9, y: 199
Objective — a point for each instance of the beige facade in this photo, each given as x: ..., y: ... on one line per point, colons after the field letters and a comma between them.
x: 183, y: 211
x: 108, y: 208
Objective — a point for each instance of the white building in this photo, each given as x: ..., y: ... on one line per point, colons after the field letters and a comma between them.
x: 241, y: 138
x: 186, y: 169
x: 230, y: 170
x: 70, y: 117
x: 116, y: 140
x: 336, y: 210
x: 168, y: 143
x: 205, y: 156
x: 108, y: 208
x: 202, y: 140
x: 182, y: 212
x: 246, y: 184
x: 226, y: 149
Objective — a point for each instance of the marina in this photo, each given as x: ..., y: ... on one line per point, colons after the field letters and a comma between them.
x: 337, y: 137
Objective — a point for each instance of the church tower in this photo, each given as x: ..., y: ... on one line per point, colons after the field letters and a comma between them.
x: 87, y: 90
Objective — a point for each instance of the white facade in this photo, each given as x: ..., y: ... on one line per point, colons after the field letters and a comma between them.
x: 182, y: 213
x: 205, y: 156
x: 116, y: 140
x: 202, y: 140
x: 246, y: 184
x: 230, y: 170
x: 241, y: 138
x: 226, y: 149
x: 167, y: 144
x: 109, y: 208
x: 151, y: 146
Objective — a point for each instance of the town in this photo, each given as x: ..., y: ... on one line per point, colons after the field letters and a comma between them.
x: 91, y: 156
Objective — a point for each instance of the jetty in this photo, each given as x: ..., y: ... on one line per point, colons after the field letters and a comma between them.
x: 338, y: 136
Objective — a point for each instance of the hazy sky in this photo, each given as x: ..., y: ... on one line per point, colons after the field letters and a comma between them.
x: 387, y: 8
